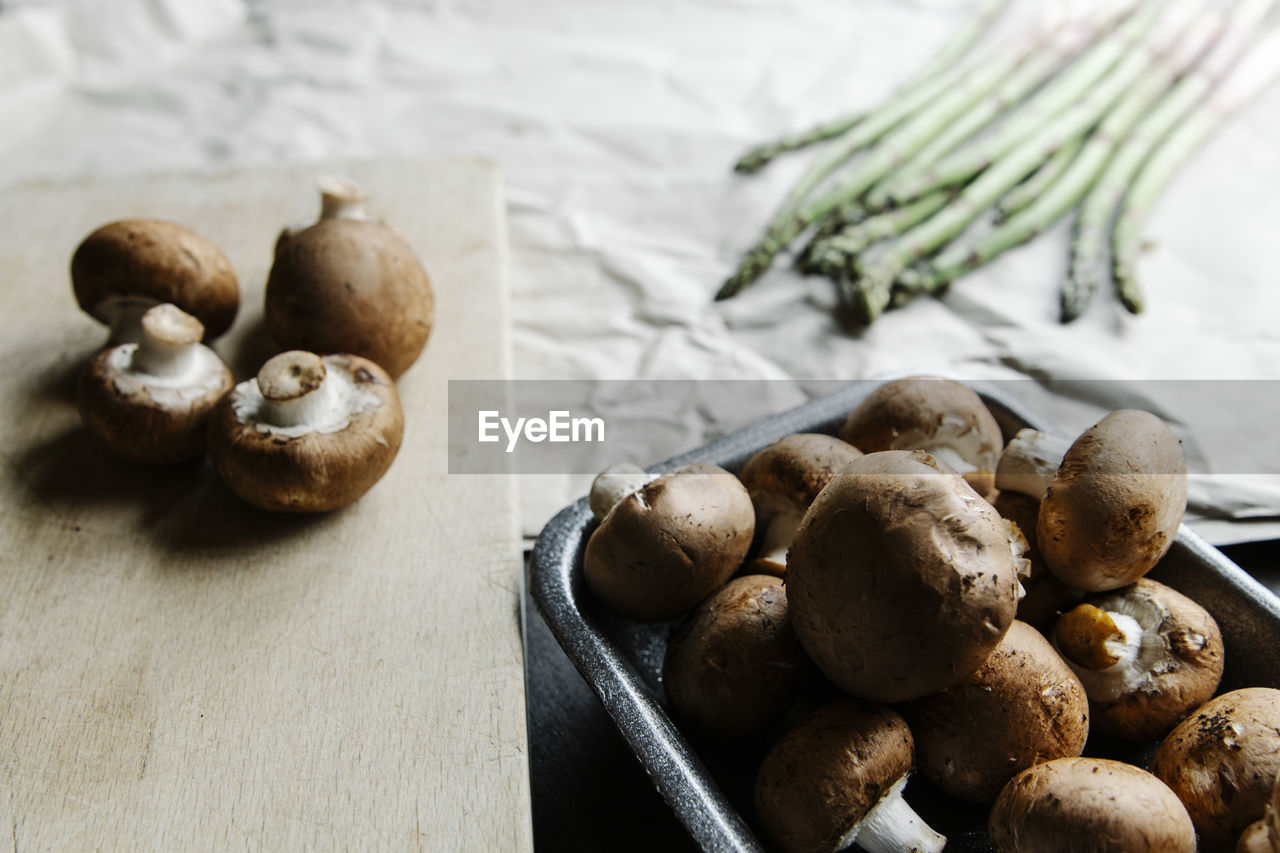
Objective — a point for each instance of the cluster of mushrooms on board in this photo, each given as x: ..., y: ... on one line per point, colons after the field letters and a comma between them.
x: 348, y: 302
x: 919, y: 595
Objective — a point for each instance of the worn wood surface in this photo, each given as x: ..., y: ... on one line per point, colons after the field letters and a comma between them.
x: 181, y: 671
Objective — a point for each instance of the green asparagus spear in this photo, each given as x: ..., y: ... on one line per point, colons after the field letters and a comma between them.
x: 874, y: 288
x: 835, y: 255
x: 1059, y: 95
x: 848, y: 216
x: 1257, y: 71
x: 913, y: 95
x: 1059, y: 197
x: 1093, y: 223
x: 1025, y: 194
x: 906, y: 143
x: 1026, y: 78
x: 794, y: 216
x: 957, y: 91
x: 969, y: 86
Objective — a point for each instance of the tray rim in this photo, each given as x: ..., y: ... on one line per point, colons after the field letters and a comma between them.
x: 675, y: 769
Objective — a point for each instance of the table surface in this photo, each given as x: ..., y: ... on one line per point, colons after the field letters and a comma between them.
x: 181, y: 670
x: 587, y: 787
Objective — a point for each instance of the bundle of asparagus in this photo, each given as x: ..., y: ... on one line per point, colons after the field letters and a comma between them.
x: 1094, y: 110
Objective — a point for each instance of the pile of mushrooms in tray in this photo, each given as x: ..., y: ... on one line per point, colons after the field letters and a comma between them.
x: 347, y: 299
x: 917, y: 595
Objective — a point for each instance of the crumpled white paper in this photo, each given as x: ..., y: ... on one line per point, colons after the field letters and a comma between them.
x: 616, y: 126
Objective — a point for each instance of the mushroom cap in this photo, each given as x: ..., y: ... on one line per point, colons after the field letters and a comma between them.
x: 613, y: 484
x: 783, y: 479
x: 1089, y: 804
x: 147, y: 418
x: 304, y: 468
x: 350, y: 286
x: 819, y: 781
x: 791, y: 471
x: 1115, y: 505
x: 1046, y: 595
x: 901, y: 578
x: 1222, y: 762
x: 931, y: 413
x: 1183, y: 662
x: 1021, y: 707
x: 155, y: 261
x: 1263, y: 835
x: 669, y: 544
x: 735, y: 665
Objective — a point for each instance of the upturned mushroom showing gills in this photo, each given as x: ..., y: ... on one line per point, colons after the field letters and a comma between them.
x: 349, y: 284
x: 783, y: 479
x: 1110, y: 503
x: 1222, y: 762
x: 1022, y: 706
x: 670, y: 543
x: 901, y: 578
x: 1090, y: 804
x: 837, y: 779
x: 1263, y: 835
x: 942, y: 416
x: 149, y: 401
x: 734, y: 666
x: 308, y: 434
x: 1146, y: 654
x: 128, y: 266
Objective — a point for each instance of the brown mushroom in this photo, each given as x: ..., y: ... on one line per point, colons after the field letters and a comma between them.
x: 1222, y: 762
x: 1111, y: 503
x: 670, y: 543
x: 901, y: 578
x: 349, y: 284
x: 1046, y: 595
x: 942, y: 416
x: 1091, y: 804
x: 734, y: 666
x: 308, y: 434
x: 613, y: 484
x: 1263, y: 835
x: 149, y: 401
x: 128, y: 266
x: 1022, y: 706
x: 836, y: 779
x: 1146, y: 654
x: 783, y: 479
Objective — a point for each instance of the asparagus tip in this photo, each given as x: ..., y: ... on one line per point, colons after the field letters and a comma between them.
x: 1127, y: 287
x: 1070, y: 302
x: 729, y: 289
x: 754, y: 160
x: 871, y: 292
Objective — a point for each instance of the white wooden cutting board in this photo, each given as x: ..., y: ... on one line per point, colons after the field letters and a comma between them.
x: 181, y: 671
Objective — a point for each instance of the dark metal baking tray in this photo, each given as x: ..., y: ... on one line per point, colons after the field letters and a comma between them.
x: 708, y: 785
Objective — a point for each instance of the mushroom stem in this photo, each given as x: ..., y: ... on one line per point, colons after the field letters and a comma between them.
x: 952, y: 456
x: 168, y: 343
x: 1030, y: 462
x: 1097, y: 639
x: 777, y: 541
x: 295, y: 390
x: 341, y: 198
x: 124, y: 315
x: 1111, y: 651
x: 892, y: 826
x: 615, y: 483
